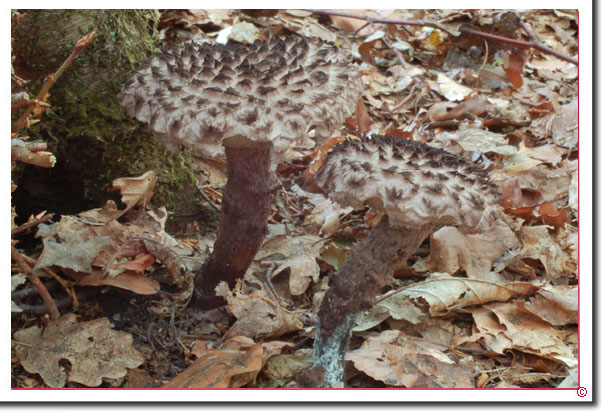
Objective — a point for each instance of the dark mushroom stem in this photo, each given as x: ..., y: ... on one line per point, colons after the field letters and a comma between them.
x: 246, y: 205
x: 366, y: 271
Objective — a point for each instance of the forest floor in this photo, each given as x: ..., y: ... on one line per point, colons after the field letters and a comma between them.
x: 490, y: 310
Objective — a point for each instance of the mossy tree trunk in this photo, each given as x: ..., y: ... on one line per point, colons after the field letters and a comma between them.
x: 86, y: 128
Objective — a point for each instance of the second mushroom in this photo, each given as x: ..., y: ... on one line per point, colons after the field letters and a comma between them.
x: 418, y: 187
x: 249, y: 103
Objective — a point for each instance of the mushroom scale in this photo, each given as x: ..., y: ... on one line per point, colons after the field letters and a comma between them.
x: 412, y: 182
x: 204, y: 96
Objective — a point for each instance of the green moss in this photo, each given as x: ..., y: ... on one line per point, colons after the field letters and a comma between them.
x: 86, y: 128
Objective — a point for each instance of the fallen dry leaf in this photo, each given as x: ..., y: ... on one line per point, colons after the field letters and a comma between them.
x: 514, y: 67
x: 297, y: 254
x: 565, y: 126
x: 450, y: 89
x: 530, y: 334
x: 71, y: 244
x: 300, y: 21
x: 132, y: 281
x: 477, y: 140
x: 15, y: 282
x: 558, y: 305
x: 539, y: 243
x: 474, y: 107
x: 452, y: 250
x: 120, y: 255
x: 351, y: 25
x: 135, y: 191
x: 258, y: 316
x: 284, y: 368
x: 233, y: 365
x: 94, y: 351
x: 399, y: 360
x: 488, y: 329
x: 437, y: 296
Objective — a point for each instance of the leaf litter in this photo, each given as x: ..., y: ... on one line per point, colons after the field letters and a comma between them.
x: 497, y: 309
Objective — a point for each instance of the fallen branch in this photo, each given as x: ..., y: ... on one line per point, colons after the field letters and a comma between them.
x: 36, y: 282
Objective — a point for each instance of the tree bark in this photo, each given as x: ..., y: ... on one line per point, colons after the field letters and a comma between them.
x: 246, y: 205
x: 366, y: 271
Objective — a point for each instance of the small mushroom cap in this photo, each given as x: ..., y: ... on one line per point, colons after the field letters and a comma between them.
x: 414, y: 183
x: 203, y: 96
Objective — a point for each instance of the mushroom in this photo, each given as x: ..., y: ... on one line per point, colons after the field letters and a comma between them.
x: 249, y: 103
x: 418, y: 187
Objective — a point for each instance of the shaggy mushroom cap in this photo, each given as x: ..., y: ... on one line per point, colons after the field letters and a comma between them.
x: 205, y: 95
x: 414, y: 183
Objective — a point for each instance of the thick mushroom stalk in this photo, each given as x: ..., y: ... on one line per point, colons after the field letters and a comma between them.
x: 251, y: 104
x: 246, y: 205
x: 419, y: 188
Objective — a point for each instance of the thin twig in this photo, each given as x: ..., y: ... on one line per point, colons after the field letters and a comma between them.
x: 36, y: 282
x: 486, y: 56
x: 207, y: 198
x: 289, y: 201
x: 371, y: 19
x: 79, y: 46
x: 49, y: 272
x: 397, y: 53
x: 268, y: 282
x: 29, y: 225
x: 62, y: 303
x: 519, y: 43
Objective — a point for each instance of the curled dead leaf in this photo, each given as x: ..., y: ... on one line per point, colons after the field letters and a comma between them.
x: 135, y: 191
x: 437, y: 296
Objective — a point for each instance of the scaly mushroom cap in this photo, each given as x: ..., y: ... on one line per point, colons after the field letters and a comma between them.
x: 412, y: 182
x: 204, y: 95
